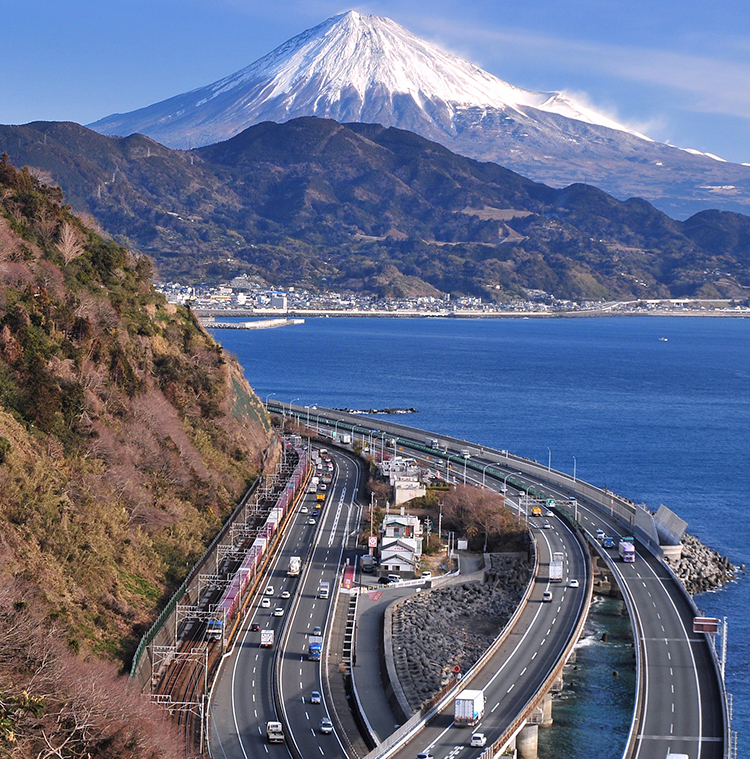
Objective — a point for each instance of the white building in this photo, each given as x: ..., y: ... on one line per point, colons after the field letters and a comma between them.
x: 400, y: 543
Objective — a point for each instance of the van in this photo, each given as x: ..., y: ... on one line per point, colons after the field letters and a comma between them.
x: 394, y: 578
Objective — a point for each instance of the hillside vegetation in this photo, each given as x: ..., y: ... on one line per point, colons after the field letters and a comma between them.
x: 322, y: 205
x: 126, y: 437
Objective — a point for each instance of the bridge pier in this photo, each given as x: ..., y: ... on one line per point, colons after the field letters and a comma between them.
x: 547, y: 710
x: 527, y: 741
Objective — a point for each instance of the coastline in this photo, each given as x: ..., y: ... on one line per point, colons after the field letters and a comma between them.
x: 205, y: 313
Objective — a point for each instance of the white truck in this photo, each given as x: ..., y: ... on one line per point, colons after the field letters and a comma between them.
x: 275, y: 732
x: 468, y: 708
x: 266, y: 638
x: 295, y: 565
x: 556, y: 567
x: 324, y: 589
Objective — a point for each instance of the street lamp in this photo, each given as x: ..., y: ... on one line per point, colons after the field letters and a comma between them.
x: 308, y: 416
x: 574, y: 468
x: 290, y: 405
x: 267, y: 397
x: 549, y: 460
x: 483, y: 471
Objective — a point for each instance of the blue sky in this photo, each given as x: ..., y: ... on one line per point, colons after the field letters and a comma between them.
x: 678, y: 72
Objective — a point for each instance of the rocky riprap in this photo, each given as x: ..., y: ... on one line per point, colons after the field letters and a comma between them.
x: 434, y: 631
x: 701, y: 568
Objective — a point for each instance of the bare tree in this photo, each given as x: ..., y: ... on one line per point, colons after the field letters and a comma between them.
x: 69, y: 243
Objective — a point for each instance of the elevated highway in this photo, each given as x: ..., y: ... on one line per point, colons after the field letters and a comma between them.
x: 680, y: 703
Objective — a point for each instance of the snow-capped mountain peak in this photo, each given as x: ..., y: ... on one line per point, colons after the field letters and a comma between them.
x: 352, y: 67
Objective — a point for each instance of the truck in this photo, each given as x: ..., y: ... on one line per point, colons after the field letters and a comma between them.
x: 295, y: 565
x: 536, y: 511
x: 320, y: 497
x: 324, y: 588
x: 214, y: 629
x: 627, y: 551
x: 431, y: 442
x: 468, y: 708
x: 556, y: 568
x: 275, y: 732
x: 466, y: 453
x: 367, y: 563
x: 315, y: 647
x: 345, y: 438
x: 266, y: 638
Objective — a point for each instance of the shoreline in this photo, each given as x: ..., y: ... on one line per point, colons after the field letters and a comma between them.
x: 203, y: 313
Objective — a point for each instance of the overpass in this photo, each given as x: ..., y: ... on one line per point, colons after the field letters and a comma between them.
x: 681, y: 704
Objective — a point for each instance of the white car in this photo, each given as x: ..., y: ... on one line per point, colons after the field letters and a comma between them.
x: 315, y: 697
x: 265, y: 603
x: 278, y: 612
x: 326, y: 726
x: 547, y: 597
x: 285, y: 594
x: 574, y: 583
x: 479, y: 739
x: 304, y: 510
x: 269, y: 590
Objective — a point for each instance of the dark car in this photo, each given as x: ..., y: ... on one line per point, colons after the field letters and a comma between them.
x: 254, y: 627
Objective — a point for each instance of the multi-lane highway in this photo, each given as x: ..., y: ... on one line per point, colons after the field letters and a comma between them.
x: 680, y: 702
x: 243, y: 698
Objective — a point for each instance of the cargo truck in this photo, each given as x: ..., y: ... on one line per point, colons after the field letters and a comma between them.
x: 431, y: 442
x: 468, y: 708
x: 275, y: 732
x: 555, y: 570
x: 295, y: 565
x: 367, y: 564
x: 627, y: 551
x: 536, y: 511
x: 324, y: 589
x: 315, y: 647
x: 266, y: 638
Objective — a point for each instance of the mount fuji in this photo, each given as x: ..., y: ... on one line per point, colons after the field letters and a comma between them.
x: 361, y: 68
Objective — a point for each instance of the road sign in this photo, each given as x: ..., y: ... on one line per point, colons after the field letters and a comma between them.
x: 705, y: 624
x: 456, y: 669
x: 372, y: 542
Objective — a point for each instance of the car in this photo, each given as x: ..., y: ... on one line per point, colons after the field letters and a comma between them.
x: 548, y: 513
x: 317, y: 630
x: 254, y: 627
x: 326, y: 726
x: 546, y: 525
x: 304, y: 510
x: 323, y: 486
x: 574, y: 583
x: 315, y: 512
x: 315, y: 697
x: 311, y: 521
x: 285, y: 594
x: 278, y: 612
x: 269, y: 590
x: 547, y: 597
x: 478, y: 739
x: 265, y: 603
x: 424, y: 755
x: 426, y: 574
x: 383, y: 581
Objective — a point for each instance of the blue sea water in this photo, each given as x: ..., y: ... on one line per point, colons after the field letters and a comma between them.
x: 655, y: 408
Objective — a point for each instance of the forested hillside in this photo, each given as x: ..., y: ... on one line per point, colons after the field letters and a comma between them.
x: 126, y: 437
x: 321, y: 205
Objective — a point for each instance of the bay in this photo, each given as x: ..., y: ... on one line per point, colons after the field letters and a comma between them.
x: 655, y: 408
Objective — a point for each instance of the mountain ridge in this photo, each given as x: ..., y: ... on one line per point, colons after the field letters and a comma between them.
x: 317, y: 204
x: 368, y: 69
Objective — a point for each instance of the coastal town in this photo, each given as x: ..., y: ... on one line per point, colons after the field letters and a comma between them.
x: 242, y: 297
